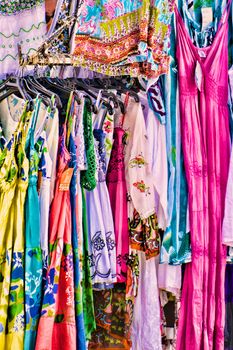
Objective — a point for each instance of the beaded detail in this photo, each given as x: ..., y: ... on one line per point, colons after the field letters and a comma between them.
x: 10, y: 7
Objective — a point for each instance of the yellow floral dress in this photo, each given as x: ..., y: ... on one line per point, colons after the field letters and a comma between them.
x: 14, y: 168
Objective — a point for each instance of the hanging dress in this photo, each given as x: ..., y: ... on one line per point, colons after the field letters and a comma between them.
x: 57, y: 326
x: 43, y: 188
x: 102, y: 246
x: 14, y: 168
x: 88, y: 182
x: 206, y: 146
x: 80, y: 330
x: 118, y: 198
x: 33, y: 252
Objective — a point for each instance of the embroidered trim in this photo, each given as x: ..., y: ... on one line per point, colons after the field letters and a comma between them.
x: 15, y: 58
x: 23, y: 30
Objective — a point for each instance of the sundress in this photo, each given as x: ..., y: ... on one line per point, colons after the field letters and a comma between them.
x: 13, y: 186
x: 102, y: 251
x: 43, y: 188
x: 156, y: 134
x: 143, y: 225
x: 57, y: 326
x: 33, y: 252
x: 88, y: 182
x: 204, y: 111
x: 118, y: 198
x: 80, y: 330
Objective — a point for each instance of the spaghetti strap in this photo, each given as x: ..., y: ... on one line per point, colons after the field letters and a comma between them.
x: 226, y: 12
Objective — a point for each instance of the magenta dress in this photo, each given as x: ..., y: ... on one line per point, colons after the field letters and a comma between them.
x: 118, y: 198
x: 206, y: 146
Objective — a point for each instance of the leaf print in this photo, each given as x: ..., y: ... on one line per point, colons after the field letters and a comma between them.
x: 13, y: 296
x: 173, y: 155
x: 12, y: 312
x: 138, y: 161
x: 141, y: 186
x: 59, y: 318
x: 108, y: 127
x: 67, y: 249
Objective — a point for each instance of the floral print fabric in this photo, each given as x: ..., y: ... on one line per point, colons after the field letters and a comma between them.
x: 118, y: 37
x: 58, y: 310
x: 13, y: 186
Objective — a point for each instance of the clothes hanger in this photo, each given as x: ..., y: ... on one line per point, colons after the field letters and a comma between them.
x: 104, y: 84
x: 55, y: 88
x: 80, y: 84
x: 15, y: 85
x: 45, y: 92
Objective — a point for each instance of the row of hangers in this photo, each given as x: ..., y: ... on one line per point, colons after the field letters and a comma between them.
x: 31, y: 87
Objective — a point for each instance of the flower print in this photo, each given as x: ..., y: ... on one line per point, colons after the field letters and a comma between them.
x: 138, y: 161
x: 119, y: 259
x: 68, y: 275
x: 19, y: 323
x: 69, y: 293
x: 110, y: 242
x: 108, y: 127
x: 98, y: 242
x: 141, y: 186
x: 51, y: 288
x: 33, y: 281
x: 110, y: 8
x: 17, y: 269
x: 67, y: 262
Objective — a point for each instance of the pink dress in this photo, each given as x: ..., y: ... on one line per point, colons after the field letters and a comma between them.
x: 57, y: 326
x: 118, y: 198
x: 206, y: 146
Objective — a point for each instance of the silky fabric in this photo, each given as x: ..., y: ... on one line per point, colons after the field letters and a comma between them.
x: 206, y: 146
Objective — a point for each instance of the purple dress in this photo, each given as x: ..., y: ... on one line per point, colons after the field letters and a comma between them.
x: 206, y: 146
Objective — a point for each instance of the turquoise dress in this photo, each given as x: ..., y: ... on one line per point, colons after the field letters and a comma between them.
x: 175, y: 249
x: 33, y: 252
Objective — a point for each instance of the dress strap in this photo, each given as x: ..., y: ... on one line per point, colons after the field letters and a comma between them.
x: 35, y: 113
x: 226, y: 12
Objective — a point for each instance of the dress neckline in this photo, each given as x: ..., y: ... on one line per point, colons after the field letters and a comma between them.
x: 208, y: 49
